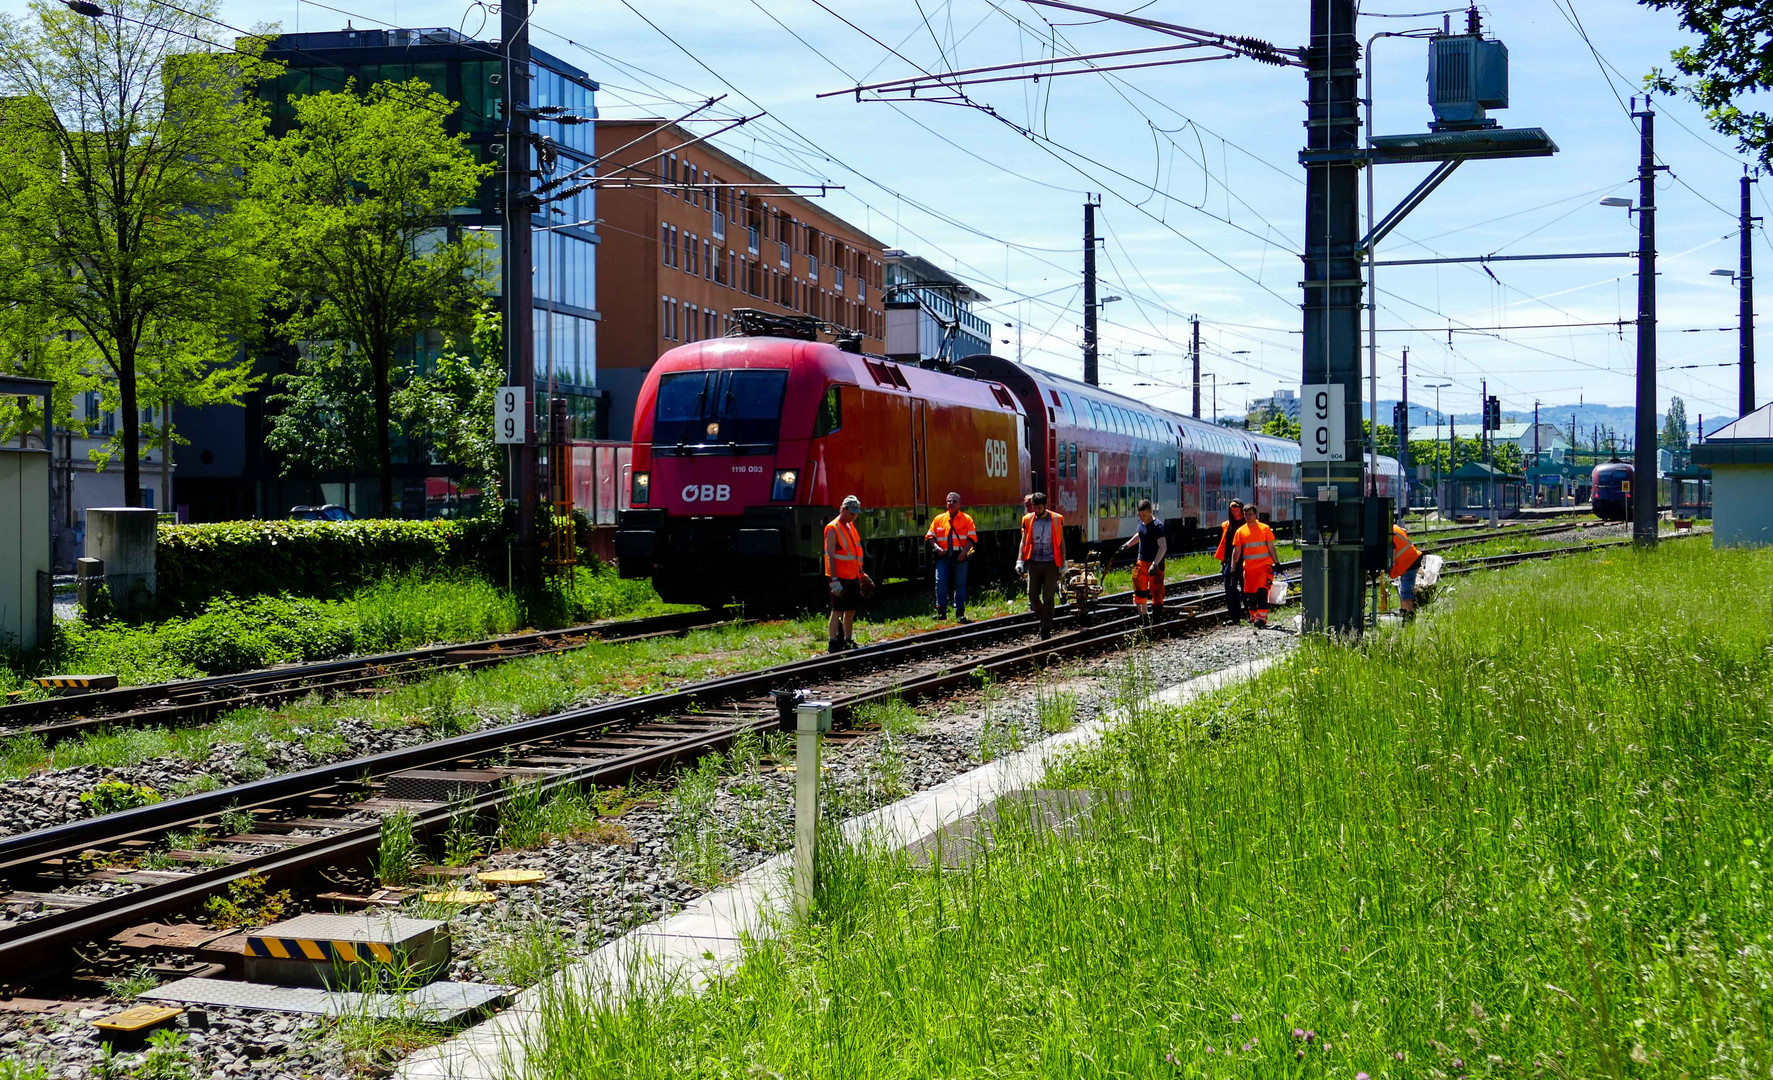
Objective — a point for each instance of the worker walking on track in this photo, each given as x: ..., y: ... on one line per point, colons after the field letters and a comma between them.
x: 952, y: 537
x: 1406, y: 559
x: 843, y: 570
x: 1043, y: 554
x: 1227, y: 556
x: 1148, y: 572
x: 1256, y: 559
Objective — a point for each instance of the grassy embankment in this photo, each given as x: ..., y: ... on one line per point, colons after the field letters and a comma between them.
x: 1528, y: 835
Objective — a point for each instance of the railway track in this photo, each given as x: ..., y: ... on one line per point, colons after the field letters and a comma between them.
x: 194, y: 701
x: 318, y: 828
x: 319, y: 824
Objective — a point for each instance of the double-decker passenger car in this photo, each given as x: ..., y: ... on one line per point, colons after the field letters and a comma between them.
x: 745, y: 446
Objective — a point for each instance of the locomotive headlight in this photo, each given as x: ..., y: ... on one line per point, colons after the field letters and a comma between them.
x: 642, y: 484
x: 783, y: 491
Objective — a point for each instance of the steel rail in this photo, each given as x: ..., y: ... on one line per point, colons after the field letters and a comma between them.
x: 222, y: 692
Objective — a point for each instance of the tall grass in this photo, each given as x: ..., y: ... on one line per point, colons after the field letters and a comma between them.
x: 1527, y: 835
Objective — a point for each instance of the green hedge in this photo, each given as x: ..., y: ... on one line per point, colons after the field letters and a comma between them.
x: 316, y: 558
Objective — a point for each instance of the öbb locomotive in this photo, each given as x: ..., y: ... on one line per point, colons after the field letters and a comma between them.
x: 1611, y: 486
x: 744, y: 446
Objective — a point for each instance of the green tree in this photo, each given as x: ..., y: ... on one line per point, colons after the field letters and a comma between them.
x: 450, y: 408
x: 1731, y: 63
x: 1280, y: 427
x: 125, y: 146
x: 1674, y: 427
x: 360, y: 193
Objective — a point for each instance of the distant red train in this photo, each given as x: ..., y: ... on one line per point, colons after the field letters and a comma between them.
x: 744, y: 447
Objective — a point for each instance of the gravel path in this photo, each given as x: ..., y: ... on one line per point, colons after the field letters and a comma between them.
x: 664, y: 851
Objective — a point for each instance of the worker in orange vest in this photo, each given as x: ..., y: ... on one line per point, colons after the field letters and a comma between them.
x: 1256, y: 560
x: 1406, y: 559
x: 1041, y: 558
x: 1226, y: 554
x: 1148, y: 571
x: 952, y: 537
x: 843, y: 569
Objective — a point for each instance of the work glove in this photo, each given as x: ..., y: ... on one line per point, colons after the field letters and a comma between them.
x: 836, y: 587
x: 1020, y: 569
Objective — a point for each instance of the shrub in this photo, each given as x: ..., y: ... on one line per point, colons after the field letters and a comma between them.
x: 315, y: 558
x: 111, y: 796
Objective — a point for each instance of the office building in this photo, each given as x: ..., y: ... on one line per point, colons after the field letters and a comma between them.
x: 701, y: 233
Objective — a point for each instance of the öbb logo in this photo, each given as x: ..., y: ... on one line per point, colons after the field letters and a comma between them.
x: 997, y: 457
x: 707, y: 492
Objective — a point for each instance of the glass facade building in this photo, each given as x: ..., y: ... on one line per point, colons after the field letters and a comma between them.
x: 470, y: 73
x: 227, y: 472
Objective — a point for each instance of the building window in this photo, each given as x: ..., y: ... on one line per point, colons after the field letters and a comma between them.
x: 689, y: 322
x: 707, y: 323
x: 665, y: 317
x: 689, y: 253
x: 671, y: 171
x: 689, y: 183
x: 708, y: 260
x: 751, y: 238
x: 667, y: 246
x: 812, y: 263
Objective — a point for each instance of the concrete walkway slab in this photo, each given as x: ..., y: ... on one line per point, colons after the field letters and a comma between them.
x: 707, y: 937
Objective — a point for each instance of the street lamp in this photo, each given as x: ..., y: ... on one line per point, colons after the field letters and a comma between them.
x: 1614, y: 200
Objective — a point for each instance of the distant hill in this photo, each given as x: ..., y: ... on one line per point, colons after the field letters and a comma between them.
x: 1618, y: 417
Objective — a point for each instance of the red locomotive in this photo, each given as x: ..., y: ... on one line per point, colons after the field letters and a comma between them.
x: 745, y: 446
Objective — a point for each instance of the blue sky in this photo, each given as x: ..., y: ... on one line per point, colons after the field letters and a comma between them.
x: 1203, y: 196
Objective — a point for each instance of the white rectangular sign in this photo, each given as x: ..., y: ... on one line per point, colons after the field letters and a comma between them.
x: 508, y: 416
x: 1323, y: 428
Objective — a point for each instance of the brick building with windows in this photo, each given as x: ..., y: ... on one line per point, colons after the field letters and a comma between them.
x: 718, y: 235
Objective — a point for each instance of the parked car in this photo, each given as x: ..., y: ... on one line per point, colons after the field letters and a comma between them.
x: 329, y: 512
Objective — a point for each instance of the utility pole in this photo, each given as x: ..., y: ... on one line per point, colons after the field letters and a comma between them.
x: 1332, y: 304
x: 1403, y: 441
x: 1490, y: 453
x: 1643, y: 481
x: 1745, y: 283
x: 516, y: 280
x: 1536, y: 463
x: 1194, y: 351
x: 1091, y: 376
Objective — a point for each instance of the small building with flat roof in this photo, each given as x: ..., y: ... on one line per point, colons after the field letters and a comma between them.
x: 1471, y: 487
x: 1740, y: 457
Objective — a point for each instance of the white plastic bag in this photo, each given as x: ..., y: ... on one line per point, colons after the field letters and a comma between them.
x: 1430, y: 571
x: 1277, y: 591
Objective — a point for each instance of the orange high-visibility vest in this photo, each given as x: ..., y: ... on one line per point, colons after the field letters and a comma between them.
x: 1226, y: 529
x: 1403, y: 553
x: 847, y: 563
x: 1058, y: 537
x: 1255, y: 541
x: 953, y: 532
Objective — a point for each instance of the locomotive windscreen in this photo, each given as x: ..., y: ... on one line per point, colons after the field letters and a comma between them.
x: 716, y: 410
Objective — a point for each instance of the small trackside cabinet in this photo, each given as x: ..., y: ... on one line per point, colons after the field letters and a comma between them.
x: 1376, y: 522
